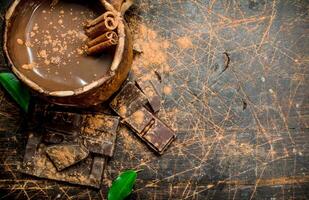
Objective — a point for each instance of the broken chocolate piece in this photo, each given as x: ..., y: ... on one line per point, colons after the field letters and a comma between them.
x: 151, y: 93
x: 66, y: 155
x: 99, y: 134
x: 139, y: 120
x: 128, y: 100
x: 159, y: 136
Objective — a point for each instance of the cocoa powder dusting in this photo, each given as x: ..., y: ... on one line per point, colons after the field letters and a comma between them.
x: 184, y: 42
x: 139, y: 117
x: 167, y: 90
x: 64, y: 154
x: 154, y: 50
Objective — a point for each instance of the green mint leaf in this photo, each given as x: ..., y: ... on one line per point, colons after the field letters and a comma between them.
x: 14, y: 87
x: 122, y: 186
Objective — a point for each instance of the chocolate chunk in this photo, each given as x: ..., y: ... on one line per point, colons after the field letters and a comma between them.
x: 87, y: 172
x: 159, y: 136
x: 139, y: 120
x: 128, y: 100
x: 66, y: 155
x: 150, y: 91
x: 99, y: 134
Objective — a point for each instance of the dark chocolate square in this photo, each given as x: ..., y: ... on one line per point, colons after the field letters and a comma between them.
x: 139, y: 120
x: 159, y: 136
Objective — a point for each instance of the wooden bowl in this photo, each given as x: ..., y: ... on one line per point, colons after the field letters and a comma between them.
x: 97, y: 91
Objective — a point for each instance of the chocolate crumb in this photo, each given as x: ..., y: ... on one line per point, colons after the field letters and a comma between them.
x: 29, y: 66
x: 47, y: 62
x: 43, y: 54
x: 20, y: 41
x: 28, y: 44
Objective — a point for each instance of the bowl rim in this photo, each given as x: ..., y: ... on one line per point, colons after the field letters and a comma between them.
x: 97, y: 83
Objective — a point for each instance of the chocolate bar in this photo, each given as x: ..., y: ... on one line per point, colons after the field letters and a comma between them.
x: 66, y: 155
x: 99, y: 134
x: 151, y: 92
x: 128, y: 100
x: 150, y: 129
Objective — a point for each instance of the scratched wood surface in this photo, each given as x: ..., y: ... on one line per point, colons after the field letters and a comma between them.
x: 242, y: 131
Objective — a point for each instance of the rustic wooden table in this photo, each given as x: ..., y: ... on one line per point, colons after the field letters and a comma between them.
x: 242, y: 129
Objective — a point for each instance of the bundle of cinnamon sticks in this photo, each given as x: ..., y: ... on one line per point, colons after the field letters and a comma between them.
x: 101, y: 33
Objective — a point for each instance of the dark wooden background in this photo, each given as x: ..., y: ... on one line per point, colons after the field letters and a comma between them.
x: 242, y: 133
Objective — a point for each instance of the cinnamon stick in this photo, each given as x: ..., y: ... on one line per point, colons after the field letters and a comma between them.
x: 101, y: 18
x: 109, y: 24
x: 99, y: 48
x: 106, y: 36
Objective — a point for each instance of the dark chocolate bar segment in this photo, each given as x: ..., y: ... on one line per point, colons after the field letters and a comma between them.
x: 151, y: 93
x: 63, y: 122
x: 139, y: 120
x: 97, y: 170
x: 32, y: 144
x: 99, y: 147
x: 128, y: 100
x: 66, y: 155
x: 99, y: 134
x: 159, y: 136
x: 94, y: 125
x: 52, y: 137
x: 153, y: 131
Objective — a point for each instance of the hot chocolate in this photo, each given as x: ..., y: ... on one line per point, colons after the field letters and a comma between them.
x: 47, y: 45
